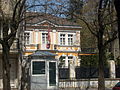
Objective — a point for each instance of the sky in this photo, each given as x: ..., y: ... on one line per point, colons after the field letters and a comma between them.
x: 55, y: 7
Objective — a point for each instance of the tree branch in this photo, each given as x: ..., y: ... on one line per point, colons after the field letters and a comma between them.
x: 89, y: 27
x: 114, y: 36
x: 21, y: 9
x: 14, y: 11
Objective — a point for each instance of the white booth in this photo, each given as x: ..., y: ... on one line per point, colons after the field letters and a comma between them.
x: 43, y: 71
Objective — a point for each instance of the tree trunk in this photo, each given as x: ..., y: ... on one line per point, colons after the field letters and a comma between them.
x: 117, y: 7
x: 6, y: 66
x: 101, y: 47
x: 101, y: 80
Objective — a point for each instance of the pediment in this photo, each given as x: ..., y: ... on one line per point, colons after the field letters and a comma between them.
x: 45, y: 23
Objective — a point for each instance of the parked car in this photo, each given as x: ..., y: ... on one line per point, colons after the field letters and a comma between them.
x: 117, y: 86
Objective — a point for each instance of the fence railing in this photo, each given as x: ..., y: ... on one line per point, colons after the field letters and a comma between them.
x: 82, y: 73
x: 85, y: 83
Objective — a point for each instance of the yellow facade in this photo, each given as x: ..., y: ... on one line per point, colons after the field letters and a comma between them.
x: 64, y: 40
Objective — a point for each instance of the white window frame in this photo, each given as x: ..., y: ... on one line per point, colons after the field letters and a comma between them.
x: 32, y: 67
x: 66, y: 38
x: 62, y: 39
x: 70, y: 39
x: 64, y: 59
x: 45, y: 40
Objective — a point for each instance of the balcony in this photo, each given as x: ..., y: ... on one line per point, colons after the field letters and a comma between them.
x: 68, y: 48
x: 33, y: 47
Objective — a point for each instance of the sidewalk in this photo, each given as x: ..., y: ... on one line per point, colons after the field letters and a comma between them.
x: 81, y: 89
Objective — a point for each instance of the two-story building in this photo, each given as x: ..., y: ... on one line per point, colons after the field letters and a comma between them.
x: 56, y: 35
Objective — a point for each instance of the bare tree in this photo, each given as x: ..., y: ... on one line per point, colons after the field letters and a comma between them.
x: 103, y: 37
x: 117, y: 7
x: 99, y: 22
x: 12, y: 14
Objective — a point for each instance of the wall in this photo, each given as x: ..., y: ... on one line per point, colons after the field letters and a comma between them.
x: 84, y: 83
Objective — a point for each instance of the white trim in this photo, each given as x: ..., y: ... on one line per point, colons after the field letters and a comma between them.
x: 67, y: 26
x: 44, y: 22
x: 70, y: 26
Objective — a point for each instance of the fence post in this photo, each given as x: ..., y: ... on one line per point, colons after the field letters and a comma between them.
x: 112, y: 68
x: 72, y: 71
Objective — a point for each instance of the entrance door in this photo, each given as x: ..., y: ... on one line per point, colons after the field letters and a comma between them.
x: 52, y: 73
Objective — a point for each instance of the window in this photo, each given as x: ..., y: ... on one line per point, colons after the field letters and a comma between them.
x: 44, y: 38
x: 62, y: 61
x: 70, y: 58
x: 27, y: 37
x: 66, y: 39
x: 70, y: 39
x: 62, y: 39
x: 38, y: 67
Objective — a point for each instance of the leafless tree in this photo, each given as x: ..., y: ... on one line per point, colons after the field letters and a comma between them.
x: 117, y: 7
x: 97, y: 18
x: 12, y: 15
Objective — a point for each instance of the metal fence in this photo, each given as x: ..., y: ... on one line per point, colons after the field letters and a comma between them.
x: 117, y: 71
x: 89, y: 72
x: 82, y: 73
x: 63, y: 73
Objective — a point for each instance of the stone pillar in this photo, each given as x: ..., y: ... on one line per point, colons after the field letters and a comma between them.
x: 112, y: 68
x: 66, y: 61
x: 72, y: 70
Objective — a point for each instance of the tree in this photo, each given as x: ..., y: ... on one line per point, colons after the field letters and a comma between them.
x: 12, y: 15
x: 75, y: 6
x: 89, y: 61
x: 102, y: 34
x: 98, y: 21
x: 117, y: 7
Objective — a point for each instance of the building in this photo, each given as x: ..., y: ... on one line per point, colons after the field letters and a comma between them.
x: 56, y: 35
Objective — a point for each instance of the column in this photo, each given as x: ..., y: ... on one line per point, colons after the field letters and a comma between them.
x: 54, y: 38
x: 72, y: 70
x: 66, y: 61
x: 112, y: 68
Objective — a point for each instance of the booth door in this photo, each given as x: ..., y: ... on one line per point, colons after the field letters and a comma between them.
x: 52, y: 73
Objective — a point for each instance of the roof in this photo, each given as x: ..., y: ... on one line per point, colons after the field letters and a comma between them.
x: 37, y: 17
x: 42, y: 53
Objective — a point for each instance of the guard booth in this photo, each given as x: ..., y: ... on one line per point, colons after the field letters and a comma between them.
x: 43, y: 71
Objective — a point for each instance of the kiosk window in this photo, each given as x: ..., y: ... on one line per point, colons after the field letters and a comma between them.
x: 38, y: 67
